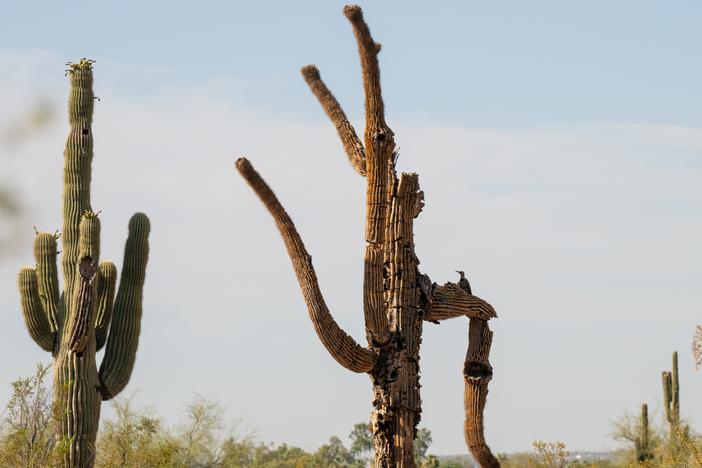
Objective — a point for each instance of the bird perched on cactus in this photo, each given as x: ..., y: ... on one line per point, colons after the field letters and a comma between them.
x: 463, y: 282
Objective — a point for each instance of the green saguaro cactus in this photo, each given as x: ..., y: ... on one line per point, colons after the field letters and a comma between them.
x: 87, y: 315
x: 671, y: 398
x: 643, y: 446
x: 671, y: 392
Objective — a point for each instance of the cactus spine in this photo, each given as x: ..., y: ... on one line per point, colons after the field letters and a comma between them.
x: 643, y: 446
x: 397, y: 298
x: 671, y: 399
x: 74, y: 325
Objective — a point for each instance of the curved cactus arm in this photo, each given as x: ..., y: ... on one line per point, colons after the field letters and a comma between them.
x: 477, y: 373
x: 47, y: 275
x: 450, y: 301
x: 107, y: 279
x: 343, y: 348
x: 34, y: 316
x: 352, y: 144
x: 123, y: 339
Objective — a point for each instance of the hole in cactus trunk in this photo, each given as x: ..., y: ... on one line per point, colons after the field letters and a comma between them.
x: 477, y: 370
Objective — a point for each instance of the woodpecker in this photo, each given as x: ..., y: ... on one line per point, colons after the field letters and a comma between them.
x: 463, y: 282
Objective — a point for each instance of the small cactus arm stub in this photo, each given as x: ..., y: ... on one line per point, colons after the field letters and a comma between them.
x: 397, y: 298
x: 73, y: 325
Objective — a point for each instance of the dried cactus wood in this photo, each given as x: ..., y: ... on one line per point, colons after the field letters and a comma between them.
x: 396, y: 297
x: 87, y: 315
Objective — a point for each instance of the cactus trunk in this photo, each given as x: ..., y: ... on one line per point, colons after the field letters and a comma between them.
x: 76, y: 324
x: 643, y: 447
x: 397, y: 299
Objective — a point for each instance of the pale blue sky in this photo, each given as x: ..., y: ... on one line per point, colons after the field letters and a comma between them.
x: 567, y: 137
x: 483, y: 64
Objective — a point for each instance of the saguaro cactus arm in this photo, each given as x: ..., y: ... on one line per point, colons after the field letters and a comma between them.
x: 671, y: 393
x: 107, y: 279
x: 368, y: 51
x: 380, y: 147
x: 352, y: 144
x: 34, y: 315
x: 477, y: 373
x: 343, y: 348
x: 120, y: 353
x: 47, y: 274
x: 450, y: 301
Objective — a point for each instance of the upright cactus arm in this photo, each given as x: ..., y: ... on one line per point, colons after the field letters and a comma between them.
x: 89, y: 238
x: 107, y: 280
x: 368, y: 51
x: 450, y: 300
x: 477, y: 373
x: 352, y: 144
x: 675, y: 390
x: 380, y: 150
x: 123, y: 339
x: 47, y: 275
x: 343, y: 348
x: 35, y: 317
x: 667, y: 395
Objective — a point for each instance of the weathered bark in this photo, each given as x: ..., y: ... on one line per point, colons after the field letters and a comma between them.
x: 396, y: 297
x: 477, y: 373
x: 73, y: 325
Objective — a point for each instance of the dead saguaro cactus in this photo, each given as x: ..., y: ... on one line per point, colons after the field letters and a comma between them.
x: 642, y: 443
x: 73, y: 325
x: 397, y: 298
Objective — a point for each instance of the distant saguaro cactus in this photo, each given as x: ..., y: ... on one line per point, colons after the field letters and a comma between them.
x: 671, y: 398
x: 397, y: 298
x: 74, y: 325
x: 642, y: 442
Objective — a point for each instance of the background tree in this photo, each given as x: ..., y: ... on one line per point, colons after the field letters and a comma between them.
x: 397, y: 298
x: 135, y: 439
x: 361, y: 441
x: 26, y: 437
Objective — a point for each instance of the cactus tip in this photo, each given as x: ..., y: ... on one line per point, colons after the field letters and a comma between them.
x: 139, y: 221
x: 353, y: 11
x: 310, y: 72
